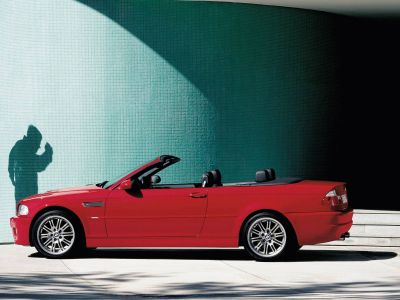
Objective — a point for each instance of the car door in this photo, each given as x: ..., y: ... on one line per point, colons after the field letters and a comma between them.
x: 156, y: 212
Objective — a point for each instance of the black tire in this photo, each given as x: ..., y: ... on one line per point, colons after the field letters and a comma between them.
x: 260, y: 244
x: 60, y: 243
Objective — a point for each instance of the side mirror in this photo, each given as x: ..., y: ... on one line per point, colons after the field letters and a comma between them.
x: 126, y: 185
x: 155, y: 179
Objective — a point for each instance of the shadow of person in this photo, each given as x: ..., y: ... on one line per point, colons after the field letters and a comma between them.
x: 24, y: 164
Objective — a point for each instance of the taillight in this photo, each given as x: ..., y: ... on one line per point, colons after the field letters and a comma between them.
x: 338, y: 198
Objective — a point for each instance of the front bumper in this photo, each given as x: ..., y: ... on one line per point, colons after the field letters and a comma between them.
x: 20, y: 230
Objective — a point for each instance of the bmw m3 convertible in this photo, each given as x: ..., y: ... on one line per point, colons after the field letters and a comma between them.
x: 271, y: 217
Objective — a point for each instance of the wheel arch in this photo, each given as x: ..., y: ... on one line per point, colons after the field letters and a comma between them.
x: 279, y: 214
x: 61, y: 208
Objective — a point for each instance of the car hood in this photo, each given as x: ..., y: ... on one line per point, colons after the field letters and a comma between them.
x: 65, y: 191
x: 72, y: 190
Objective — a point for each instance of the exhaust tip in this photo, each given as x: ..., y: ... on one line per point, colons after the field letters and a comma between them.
x: 344, y: 236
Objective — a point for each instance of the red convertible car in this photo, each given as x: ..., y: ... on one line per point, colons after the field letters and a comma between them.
x: 270, y: 217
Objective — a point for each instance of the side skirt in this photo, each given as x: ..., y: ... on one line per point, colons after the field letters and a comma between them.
x: 162, y: 242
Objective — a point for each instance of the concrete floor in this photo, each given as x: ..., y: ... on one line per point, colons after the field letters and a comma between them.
x: 317, y: 272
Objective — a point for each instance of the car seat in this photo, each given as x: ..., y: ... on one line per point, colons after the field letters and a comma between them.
x: 265, y: 175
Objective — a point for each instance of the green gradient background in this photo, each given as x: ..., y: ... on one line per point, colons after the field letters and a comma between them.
x: 112, y: 84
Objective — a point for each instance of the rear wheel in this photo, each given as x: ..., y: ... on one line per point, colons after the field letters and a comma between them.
x: 56, y: 234
x: 267, y: 236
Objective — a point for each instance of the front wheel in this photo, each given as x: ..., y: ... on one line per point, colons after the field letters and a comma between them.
x: 267, y: 237
x: 56, y: 234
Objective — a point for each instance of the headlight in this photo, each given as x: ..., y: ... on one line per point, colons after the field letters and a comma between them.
x: 23, y: 210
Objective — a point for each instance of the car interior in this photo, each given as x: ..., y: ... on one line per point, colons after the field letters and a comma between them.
x: 214, y: 179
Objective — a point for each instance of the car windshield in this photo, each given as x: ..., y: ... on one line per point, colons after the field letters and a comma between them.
x: 150, y: 169
x: 107, y: 183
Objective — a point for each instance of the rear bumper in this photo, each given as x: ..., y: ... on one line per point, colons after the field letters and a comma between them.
x: 320, y: 227
x: 20, y: 230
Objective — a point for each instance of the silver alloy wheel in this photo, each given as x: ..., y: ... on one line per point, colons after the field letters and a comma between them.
x: 266, y: 237
x: 55, y: 235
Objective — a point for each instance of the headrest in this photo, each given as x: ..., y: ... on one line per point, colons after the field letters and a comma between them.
x: 217, y: 177
x: 265, y: 175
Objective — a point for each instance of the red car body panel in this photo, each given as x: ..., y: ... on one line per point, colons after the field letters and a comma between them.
x: 188, y: 216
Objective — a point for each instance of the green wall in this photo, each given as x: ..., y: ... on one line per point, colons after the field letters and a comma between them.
x: 112, y: 84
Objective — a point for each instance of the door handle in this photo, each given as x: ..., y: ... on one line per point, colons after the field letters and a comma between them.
x: 198, y: 195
